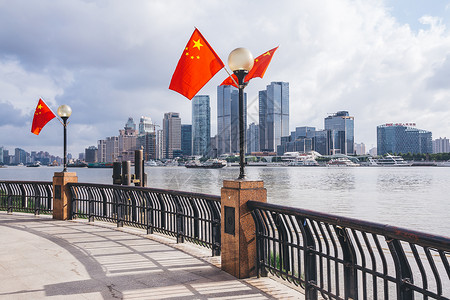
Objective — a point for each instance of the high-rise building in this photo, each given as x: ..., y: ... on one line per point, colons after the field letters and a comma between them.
x: 403, y: 138
x: 20, y: 156
x: 273, y: 115
x: 360, y: 149
x: 441, y: 145
x: 186, y: 139
x: 228, y: 119
x: 1, y: 156
x: 171, y: 134
x: 127, y: 141
x: 91, y: 154
x: 201, y: 125
x: 130, y: 124
x: 160, y: 144
x: 108, y: 149
x: 145, y: 125
x: 253, y: 138
x: 146, y: 139
x: 341, y: 133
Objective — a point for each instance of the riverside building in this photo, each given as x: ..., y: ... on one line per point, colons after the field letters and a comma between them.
x: 201, y: 125
x: 273, y: 115
x: 341, y: 136
x: 228, y: 119
x: 403, y: 138
x: 171, y: 134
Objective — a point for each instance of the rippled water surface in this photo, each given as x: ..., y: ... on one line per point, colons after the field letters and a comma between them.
x: 412, y: 197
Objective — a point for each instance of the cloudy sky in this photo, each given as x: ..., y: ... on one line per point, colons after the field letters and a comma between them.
x: 383, y: 61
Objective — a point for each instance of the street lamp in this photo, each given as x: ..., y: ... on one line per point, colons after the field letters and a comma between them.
x: 64, y: 111
x: 240, y: 62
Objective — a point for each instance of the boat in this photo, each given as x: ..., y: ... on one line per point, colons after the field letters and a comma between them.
x: 341, y: 162
x: 303, y: 163
x: 100, y: 165
x: 209, y: 164
x: 77, y: 165
x: 34, y: 165
x: 444, y: 164
x: 150, y: 163
x: 392, y: 161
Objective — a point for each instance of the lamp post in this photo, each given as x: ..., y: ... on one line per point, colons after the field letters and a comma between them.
x: 64, y: 111
x: 240, y: 62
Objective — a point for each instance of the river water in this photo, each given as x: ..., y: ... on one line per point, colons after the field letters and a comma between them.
x: 411, y: 197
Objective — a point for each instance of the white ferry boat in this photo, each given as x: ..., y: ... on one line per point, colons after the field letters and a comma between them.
x: 392, y: 161
x: 341, y: 162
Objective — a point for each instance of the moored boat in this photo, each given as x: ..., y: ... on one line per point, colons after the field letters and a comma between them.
x: 209, y: 164
x: 392, y: 161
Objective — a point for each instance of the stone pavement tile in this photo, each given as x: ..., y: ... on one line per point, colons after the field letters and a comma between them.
x: 101, y: 261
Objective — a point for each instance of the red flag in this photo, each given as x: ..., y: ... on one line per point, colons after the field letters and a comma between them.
x: 42, y: 115
x: 197, y: 65
x: 259, y: 68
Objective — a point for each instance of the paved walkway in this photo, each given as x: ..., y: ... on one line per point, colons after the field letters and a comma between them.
x: 44, y: 258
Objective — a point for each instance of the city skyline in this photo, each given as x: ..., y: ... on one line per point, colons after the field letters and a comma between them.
x: 384, y: 61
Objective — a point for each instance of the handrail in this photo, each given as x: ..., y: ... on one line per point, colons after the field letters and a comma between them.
x: 345, y: 258
x: 26, y: 196
x: 187, y: 216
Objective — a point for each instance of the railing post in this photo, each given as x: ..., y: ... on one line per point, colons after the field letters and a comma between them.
x: 91, y: 205
x: 238, y: 237
x: 10, y: 206
x: 402, y: 269
x: 215, y: 228
x: 309, y: 258
x: 348, y: 251
x: 283, y: 247
x: 23, y: 196
x: 104, y: 202
x: 37, y: 199
x: 118, y: 202
x: 150, y: 212
x: 179, y: 220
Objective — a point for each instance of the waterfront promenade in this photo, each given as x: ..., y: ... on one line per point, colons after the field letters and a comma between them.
x: 44, y: 258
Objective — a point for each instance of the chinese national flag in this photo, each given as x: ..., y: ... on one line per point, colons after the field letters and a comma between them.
x: 42, y: 116
x: 197, y: 65
x: 259, y: 68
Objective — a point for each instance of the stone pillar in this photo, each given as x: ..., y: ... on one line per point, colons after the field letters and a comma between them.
x: 62, y: 199
x: 238, y: 239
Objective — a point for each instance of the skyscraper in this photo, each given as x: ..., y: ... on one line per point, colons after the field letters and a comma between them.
x: 341, y: 133
x: 273, y: 115
x: 108, y: 149
x: 228, y: 119
x: 186, y: 139
x: 91, y: 154
x: 171, y: 134
x: 201, y: 125
x: 252, y: 138
x: 403, y: 138
x: 127, y: 141
x: 146, y: 139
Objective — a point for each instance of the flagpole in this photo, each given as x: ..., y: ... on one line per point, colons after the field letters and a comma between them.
x: 231, y: 76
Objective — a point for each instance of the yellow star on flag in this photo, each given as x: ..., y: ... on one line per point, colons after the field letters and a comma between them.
x: 39, y: 106
x: 197, y: 44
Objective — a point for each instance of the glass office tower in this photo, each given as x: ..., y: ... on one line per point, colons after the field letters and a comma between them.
x: 201, y: 125
x: 341, y: 133
x: 228, y: 119
x: 403, y: 138
x: 273, y: 115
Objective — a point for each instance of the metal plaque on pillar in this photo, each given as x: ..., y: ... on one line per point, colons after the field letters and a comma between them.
x: 229, y: 220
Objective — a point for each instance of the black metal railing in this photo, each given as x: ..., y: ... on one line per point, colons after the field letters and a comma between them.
x: 26, y: 196
x: 187, y: 216
x: 344, y: 258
